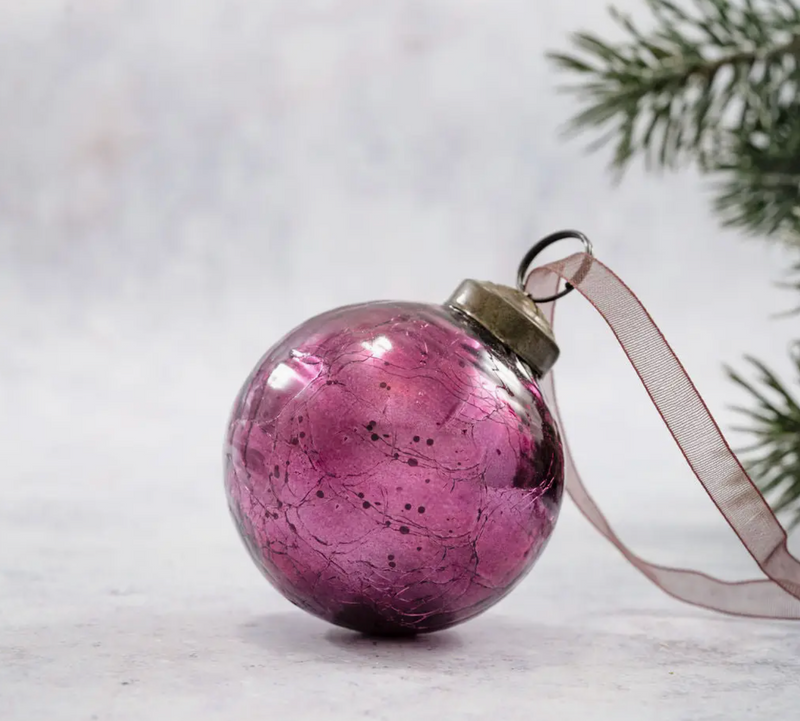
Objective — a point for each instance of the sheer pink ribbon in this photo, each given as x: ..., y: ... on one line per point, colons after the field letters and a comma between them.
x: 699, y: 438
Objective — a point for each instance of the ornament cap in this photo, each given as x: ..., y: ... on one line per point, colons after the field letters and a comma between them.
x: 512, y: 317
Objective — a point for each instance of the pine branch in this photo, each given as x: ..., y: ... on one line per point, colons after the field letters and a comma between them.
x: 673, y: 93
x: 773, y: 459
x: 760, y: 191
x: 793, y: 284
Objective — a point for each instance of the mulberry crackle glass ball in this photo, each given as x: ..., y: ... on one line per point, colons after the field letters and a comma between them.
x: 393, y: 468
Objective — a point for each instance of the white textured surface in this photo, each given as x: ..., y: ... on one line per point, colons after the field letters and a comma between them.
x: 181, y: 182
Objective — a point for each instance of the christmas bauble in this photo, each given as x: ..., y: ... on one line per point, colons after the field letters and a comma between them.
x: 392, y: 467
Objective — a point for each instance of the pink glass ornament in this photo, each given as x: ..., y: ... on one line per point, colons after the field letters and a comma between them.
x: 392, y: 467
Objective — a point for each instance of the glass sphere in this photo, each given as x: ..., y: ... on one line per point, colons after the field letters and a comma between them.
x: 392, y: 468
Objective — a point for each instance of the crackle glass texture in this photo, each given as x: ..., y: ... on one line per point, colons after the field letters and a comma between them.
x: 392, y: 469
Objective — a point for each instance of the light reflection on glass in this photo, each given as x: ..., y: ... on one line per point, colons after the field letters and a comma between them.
x: 378, y: 346
x: 281, y: 377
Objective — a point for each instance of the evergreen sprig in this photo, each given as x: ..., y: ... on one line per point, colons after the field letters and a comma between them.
x: 774, y: 424
x: 793, y: 284
x: 760, y: 190
x: 675, y: 92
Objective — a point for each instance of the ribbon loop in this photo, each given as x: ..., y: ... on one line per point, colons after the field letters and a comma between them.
x: 701, y: 441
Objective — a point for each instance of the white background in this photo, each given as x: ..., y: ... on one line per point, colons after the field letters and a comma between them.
x: 181, y: 182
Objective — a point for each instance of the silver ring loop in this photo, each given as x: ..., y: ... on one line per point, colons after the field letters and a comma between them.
x: 530, y: 256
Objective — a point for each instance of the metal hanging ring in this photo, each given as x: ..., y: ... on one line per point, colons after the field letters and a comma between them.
x: 530, y: 256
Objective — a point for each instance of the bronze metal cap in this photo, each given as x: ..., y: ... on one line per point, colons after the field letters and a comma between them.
x: 512, y: 317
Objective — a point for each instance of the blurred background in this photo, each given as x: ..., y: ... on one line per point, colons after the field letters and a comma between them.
x: 183, y: 182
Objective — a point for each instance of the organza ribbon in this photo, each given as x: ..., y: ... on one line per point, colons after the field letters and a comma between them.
x: 699, y: 438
